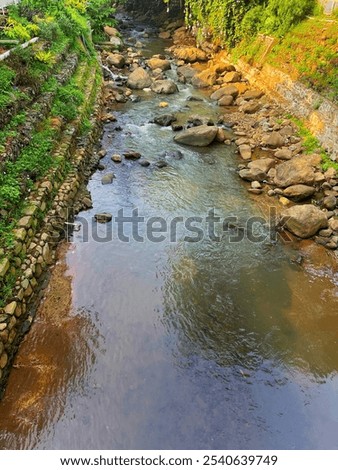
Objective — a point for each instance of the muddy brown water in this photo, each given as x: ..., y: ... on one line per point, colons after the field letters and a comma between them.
x: 177, y: 344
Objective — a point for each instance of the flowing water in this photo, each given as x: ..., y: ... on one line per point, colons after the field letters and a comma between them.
x: 177, y: 344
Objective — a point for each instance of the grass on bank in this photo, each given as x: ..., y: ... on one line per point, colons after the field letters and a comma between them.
x: 311, y: 144
x: 308, y: 52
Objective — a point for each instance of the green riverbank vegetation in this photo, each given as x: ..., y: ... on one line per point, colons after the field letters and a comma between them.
x: 44, y: 94
x: 293, y: 35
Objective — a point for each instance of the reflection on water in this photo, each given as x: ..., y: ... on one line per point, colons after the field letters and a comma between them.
x: 210, y: 345
x: 53, y: 363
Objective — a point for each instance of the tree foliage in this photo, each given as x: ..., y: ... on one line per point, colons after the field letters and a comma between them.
x: 231, y: 20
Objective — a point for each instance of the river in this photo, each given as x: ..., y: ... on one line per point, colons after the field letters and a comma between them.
x: 177, y: 344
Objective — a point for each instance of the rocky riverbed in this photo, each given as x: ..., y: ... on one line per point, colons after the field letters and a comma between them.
x: 273, y: 158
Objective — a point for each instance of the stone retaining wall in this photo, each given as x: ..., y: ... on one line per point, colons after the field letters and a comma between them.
x: 319, y: 114
x: 42, y: 226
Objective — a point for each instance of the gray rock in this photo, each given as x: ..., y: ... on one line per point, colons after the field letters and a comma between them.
x: 330, y: 202
x: 232, y: 77
x: 245, y: 151
x: 200, y: 136
x: 299, y: 192
x: 165, y: 120
x: 161, y: 164
x: 304, y: 221
x: 117, y: 60
x: 108, y: 178
x: 252, y: 174
x: 252, y: 95
x: 156, y: 63
x: 116, y: 42
x: 250, y: 108
x: 144, y: 163
x: 256, y: 185
x: 255, y: 191
x: 139, y: 79
x: 87, y: 203
x: 131, y: 155
x: 116, y: 158
x: 103, y: 217
x: 231, y: 90
x: 333, y: 223
x: 299, y: 170
x: 273, y: 140
x: 226, y: 100
x: 166, y: 87
x: 284, y: 154
x: 190, y: 54
x: 102, y: 153
x: 264, y: 164
x: 186, y: 72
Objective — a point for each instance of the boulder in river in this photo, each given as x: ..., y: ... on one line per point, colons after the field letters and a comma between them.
x: 299, y: 170
x: 103, y: 217
x: 226, y: 100
x: 116, y: 158
x: 186, y: 72
x: 107, y: 178
x: 283, y: 153
x: 117, y: 60
x: 264, y: 164
x: 139, y: 79
x: 231, y: 90
x: 131, y: 155
x: 232, y: 77
x: 144, y: 163
x: 190, y: 54
x: 166, y: 87
x: 165, y: 120
x: 252, y: 174
x: 204, y: 79
x: 161, y: 164
x: 110, y: 31
x: 304, y: 221
x: 156, y: 63
x: 250, y: 108
x: 200, y: 136
x: 299, y: 192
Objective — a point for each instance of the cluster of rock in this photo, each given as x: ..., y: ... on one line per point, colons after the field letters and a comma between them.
x: 274, y: 161
x: 142, y: 74
x: 273, y: 158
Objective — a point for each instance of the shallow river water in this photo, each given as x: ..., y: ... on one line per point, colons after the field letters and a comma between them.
x: 178, y: 344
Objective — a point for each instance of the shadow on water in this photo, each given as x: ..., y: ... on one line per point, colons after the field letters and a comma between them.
x: 53, y: 363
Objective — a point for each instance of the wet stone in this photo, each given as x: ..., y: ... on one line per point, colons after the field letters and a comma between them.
x: 108, y: 178
x: 103, y: 217
x: 144, y: 163
x: 116, y: 158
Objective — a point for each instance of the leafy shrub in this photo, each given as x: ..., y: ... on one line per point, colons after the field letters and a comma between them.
x: 281, y: 16
x: 21, y: 29
x: 21, y: 61
x: 46, y: 57
x: 100, y: 14
x: 231, y: 20
x: 7, y: 76
x: 67, y: 101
